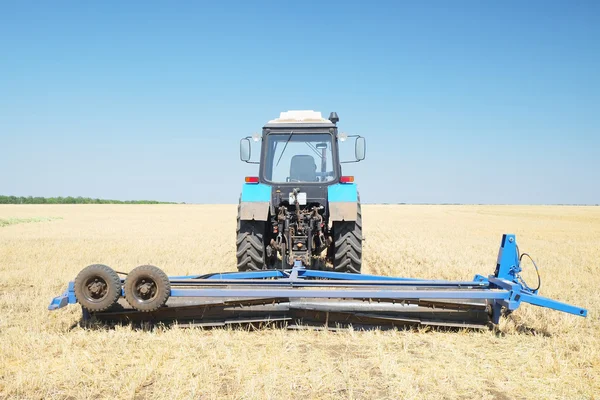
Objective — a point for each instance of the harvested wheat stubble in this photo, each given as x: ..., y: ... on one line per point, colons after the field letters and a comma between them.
x: 536, y: 353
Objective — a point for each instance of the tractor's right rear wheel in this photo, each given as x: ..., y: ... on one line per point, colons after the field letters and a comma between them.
x: 347, y: 242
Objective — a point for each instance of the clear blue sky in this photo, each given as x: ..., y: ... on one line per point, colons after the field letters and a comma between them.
x: 466, y: 101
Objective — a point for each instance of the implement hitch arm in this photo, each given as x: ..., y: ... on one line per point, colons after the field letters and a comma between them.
x: 507, y: 277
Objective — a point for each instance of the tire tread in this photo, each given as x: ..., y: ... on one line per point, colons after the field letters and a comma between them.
x: 348, y: 244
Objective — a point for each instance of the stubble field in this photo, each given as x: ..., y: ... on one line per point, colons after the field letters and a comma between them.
x: 536, y: 353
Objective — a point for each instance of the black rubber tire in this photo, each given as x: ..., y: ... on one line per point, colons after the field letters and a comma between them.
x: 110, y: 287
x: 347, y: 242
x: 250, y: 246
x: 160, y: 288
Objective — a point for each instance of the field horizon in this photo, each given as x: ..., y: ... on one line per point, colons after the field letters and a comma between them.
x: 84, y: 200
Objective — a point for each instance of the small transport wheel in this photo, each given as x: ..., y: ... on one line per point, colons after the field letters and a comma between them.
x: 147, y: 288
x: 97, y: 287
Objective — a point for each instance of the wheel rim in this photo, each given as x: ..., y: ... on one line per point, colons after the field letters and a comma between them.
x: 95, y: 289
x: 144, y: 290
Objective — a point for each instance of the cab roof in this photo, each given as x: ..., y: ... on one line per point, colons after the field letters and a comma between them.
x: 300, y: 118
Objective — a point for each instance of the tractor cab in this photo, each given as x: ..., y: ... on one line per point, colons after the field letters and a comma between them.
x: 301, y: 147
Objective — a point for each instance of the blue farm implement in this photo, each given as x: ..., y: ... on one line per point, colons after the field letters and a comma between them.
x: 300, y: 297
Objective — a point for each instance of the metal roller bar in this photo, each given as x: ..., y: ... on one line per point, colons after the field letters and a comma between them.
x: 301, y: 282
x: 345, y: 293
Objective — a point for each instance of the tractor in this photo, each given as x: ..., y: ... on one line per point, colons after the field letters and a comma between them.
x: 300, y: 207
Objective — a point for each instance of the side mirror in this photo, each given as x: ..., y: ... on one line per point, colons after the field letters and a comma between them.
x: 360, y: 148
x: 245, y: 149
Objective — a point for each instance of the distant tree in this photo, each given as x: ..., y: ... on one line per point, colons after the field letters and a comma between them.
x: 71, y: 200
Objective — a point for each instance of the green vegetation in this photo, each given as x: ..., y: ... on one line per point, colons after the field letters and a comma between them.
x: 13, y: 221
x: 70, y: 200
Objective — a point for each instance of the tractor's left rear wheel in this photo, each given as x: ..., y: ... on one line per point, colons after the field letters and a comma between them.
x: 250, y: 244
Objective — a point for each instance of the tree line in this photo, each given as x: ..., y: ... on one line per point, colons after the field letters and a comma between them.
x: 71, y: 200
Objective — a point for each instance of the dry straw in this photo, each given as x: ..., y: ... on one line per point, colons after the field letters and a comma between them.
x: 536, y: 353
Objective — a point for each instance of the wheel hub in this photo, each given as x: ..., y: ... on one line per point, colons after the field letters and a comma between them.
x: 96, y: 288
x: 146, y: 289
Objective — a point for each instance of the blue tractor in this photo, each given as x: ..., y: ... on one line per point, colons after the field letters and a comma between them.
x: 300, y: 207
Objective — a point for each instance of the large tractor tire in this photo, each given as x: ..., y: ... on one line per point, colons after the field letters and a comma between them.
x: 250, y: 244
x: 347, y: 241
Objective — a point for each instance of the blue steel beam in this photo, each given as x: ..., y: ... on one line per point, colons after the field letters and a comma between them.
x: 59, y: 301
x: 508, y: 259
x: 249, y: 275
x: 344, y: 294
x: 307, y: 273
x: 235, y: 275
x: 299, y: 282
x: 553, y: 304
x: 68, y: 297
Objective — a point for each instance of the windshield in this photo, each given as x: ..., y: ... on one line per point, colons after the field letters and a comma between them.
x: 299, y: 157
